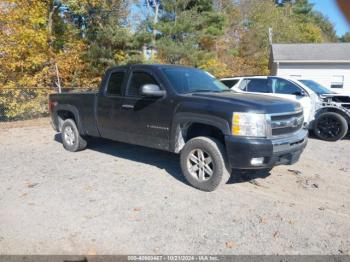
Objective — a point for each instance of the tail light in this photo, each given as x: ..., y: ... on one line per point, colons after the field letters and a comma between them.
x: 52, y: 105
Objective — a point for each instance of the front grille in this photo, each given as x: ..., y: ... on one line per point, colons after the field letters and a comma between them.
x: 286, y: 123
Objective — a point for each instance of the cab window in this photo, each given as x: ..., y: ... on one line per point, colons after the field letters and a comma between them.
x: 138, y: 79
x: 115, y: 83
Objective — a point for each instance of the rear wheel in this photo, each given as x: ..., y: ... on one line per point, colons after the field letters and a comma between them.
x: 71, y: 139
x: 330, y: 126
x: 203, y: 163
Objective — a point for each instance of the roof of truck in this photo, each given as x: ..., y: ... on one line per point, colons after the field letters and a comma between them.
x: 148, y: 66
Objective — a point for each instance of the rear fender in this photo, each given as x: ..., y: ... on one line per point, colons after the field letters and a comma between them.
x: 72, y: 109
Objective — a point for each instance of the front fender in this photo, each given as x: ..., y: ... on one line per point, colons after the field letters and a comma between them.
x: 183, y: 119
x: 334, y: 108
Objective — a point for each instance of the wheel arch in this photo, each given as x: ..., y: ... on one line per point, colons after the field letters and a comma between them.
x: 334, y: 109
x: 331, y: 132
x: 63, y: 112
x: 188, y: 125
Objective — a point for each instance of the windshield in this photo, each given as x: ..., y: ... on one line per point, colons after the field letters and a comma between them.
x: 316, y: 87
x: 190, y: 80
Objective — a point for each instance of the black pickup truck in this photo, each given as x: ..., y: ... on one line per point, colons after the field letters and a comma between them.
x: 184, y: 110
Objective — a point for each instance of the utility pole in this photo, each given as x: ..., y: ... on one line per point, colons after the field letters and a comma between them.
x: 270, y: 35
x: 58, y: 83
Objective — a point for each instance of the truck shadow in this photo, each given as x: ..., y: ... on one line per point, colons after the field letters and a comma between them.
x: 313, y: 136
x: 161, y: 159
x: 243, y: 176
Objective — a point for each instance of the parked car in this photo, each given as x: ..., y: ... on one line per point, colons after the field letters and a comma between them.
x: 184, y: 110
x: 326, y: 113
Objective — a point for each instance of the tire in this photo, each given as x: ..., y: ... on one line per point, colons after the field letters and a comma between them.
x: 330, y: 126
x: 71, y: 139
x: 196, y: 171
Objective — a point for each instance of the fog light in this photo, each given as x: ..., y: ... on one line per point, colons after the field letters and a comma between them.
x: 257, y: 161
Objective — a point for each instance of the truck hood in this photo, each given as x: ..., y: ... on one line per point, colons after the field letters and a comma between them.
x: 252, y: 102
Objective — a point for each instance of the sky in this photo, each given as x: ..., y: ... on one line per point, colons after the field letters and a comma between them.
x: 331, y: 10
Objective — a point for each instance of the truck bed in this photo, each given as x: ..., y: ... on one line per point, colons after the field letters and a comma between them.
x: 84, y: 104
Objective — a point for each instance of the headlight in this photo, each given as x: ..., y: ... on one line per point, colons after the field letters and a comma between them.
x: 249, y: 124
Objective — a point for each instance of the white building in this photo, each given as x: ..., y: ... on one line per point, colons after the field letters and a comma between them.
x: 328, y: 64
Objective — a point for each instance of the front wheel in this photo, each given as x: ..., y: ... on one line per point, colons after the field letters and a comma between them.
x: 203, y: 163
x: 330, y: 126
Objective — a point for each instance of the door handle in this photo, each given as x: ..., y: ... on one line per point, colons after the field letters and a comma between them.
x: 127, y: 107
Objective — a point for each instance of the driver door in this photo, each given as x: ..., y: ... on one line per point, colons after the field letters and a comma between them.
x: 146, y: 119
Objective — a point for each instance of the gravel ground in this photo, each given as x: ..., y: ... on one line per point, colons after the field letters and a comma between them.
x: 114, y: 198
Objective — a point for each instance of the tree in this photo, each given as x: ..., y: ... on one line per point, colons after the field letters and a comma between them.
x: 33, y: 40
x: 305, y: 14
x: 23, y: 56
x: 108, y: 38
x: 81, y: 38
x: 289, y: 22
x: 327, y: 28
x: 345, y: 38
x: 187, y: 31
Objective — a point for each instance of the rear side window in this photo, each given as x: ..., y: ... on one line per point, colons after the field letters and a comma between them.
x: 229, y: 83
x: 243, y: 84
x: 138, y: 79
x: 282, y: 86
x: 115, y: 83
x: 255, y: 85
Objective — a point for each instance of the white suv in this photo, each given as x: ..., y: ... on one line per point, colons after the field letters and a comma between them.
x: 276, y: 86
x: 320, y: 104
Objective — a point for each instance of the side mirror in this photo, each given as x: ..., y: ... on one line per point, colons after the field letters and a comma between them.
x: 152, y: 90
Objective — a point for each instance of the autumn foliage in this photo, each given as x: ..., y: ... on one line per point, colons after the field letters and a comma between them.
x: 45, y: 44
x: 28, y: 60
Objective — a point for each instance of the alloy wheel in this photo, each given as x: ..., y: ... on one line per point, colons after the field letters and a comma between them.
x: 69, y: 135
x: 200, y: 165
x: 328, y: 127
